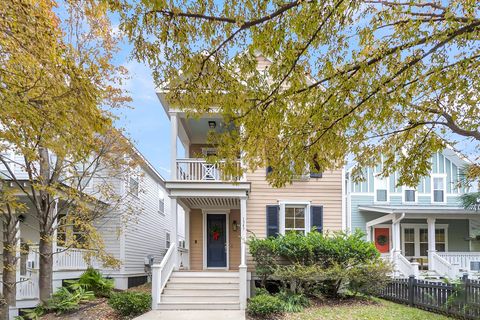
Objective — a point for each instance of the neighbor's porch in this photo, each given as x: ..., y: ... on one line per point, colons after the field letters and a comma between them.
x: 68, y: 263
x: 425, y: 241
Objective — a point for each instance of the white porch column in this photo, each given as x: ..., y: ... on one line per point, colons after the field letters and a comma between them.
x: 174, y: 233
x: 369, y: 234
x: 242, y: 269
x: 187, y: 237
x: 55, y: 234
x: 173, y: 145
x: 17, y: 250
x: 431, y: 242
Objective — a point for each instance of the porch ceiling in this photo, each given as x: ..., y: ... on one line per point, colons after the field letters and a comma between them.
x: 211, y: 202
x: 421, y: 210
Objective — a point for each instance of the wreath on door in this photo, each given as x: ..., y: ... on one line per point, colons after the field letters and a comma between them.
x: 382, y: 240
x: 215, y: 231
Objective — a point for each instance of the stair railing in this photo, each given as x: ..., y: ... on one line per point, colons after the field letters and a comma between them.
x: 161, y: 273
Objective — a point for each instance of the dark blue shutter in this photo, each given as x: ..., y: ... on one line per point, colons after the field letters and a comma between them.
x: 269, y: 170
x: 315, y: 174
x: 272, y: 221
x: 316, y: 218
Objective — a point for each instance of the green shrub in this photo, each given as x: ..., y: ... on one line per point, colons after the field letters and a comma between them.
x: 293, y: 302
x: 67, y: 300
x: 130, y: 303
x: 264, y: 305
x: 317, y: 263
x: 369, y: 278
x: 93, y: 280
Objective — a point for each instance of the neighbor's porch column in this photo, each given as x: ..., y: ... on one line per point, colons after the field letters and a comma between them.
x: 55, y: 236
x: 173, y: 145
x: 242, y: 269
x: 431, y: 242
x: 174, y: 233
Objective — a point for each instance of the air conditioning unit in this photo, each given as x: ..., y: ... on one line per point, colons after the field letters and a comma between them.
x: 475, y: 265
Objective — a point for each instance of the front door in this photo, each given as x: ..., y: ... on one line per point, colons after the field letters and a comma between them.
x: 216, y: 241
x: 382, y: 239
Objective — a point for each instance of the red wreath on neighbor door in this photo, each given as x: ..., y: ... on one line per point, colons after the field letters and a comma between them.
x: 215, y: 231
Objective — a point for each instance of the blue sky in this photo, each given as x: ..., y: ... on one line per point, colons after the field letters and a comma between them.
x: 145, y: 122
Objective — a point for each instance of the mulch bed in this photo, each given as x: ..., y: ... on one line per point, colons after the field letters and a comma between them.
x: 97, y: 309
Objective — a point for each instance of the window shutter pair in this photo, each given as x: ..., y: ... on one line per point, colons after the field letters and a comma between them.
x: 273, y: 219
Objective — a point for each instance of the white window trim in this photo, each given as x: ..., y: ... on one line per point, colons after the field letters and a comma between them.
x: 405, y: 188
x: 416, y: 234
x: 169, y: 239
x: 293, y: 203
x: 161, y: 196
x: 432, y: 189
x: 375, y: 188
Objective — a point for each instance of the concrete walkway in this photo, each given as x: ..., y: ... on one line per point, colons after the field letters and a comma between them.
x: 193, y: 315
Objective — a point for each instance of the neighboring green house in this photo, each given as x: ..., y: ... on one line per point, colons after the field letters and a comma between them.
x: 423, y: 230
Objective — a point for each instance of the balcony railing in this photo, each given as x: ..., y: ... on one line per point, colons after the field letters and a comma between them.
x: 201, y: 170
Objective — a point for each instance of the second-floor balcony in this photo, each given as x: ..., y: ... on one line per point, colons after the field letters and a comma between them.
x: 198, y: 169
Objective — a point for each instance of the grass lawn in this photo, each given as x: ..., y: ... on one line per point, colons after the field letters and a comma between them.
x: 362, y: 310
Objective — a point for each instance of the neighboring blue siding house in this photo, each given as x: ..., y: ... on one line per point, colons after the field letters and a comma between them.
x: 421, y: 228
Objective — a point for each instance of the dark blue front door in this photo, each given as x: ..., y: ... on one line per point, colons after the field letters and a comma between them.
x: 216, y: 241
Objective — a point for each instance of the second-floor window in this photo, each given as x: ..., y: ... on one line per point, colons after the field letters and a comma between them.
x: 439, y: 189
x: 381, y: 189
x: 133, y: 185
x: 409, y: 195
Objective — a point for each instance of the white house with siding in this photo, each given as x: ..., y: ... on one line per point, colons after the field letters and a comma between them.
x: 131, y: 237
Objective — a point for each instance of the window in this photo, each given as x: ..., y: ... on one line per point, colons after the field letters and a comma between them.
x: 415, y: 240
x: 381, y: 189
x: 161, y: 203
x: 409, y: 195
x: 423, y: 242
x: 409, y: 242
x: 69, y: 233
x: 167, y: 240
x: 439, y: 189
x: 295, y: 219
x: 440, y: 240
x: 133, y: 185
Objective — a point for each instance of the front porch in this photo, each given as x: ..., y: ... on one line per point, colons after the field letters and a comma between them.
x: 212, y: 258
x: 424, y: 241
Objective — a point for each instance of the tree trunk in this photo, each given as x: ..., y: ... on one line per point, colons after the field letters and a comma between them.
x: 45, y: 267
x: 9, y: 276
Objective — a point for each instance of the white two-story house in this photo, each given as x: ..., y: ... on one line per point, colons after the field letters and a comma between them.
x: 135, y: 239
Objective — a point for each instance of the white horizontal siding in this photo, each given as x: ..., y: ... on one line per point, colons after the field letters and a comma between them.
x: 145, y: 234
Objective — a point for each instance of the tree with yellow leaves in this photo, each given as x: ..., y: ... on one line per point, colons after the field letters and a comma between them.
x: 58, y: 86
x: 369, y: 78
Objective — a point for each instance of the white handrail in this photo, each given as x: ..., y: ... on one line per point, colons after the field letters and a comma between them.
x: 404, y: 266
x: 161, y: 273
x: 442, y: 266
x: 462, y: 259
x: 195, y: 169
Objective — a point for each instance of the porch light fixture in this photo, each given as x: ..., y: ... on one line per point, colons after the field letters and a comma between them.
x: 234, y: 225
x: 212, y: 124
